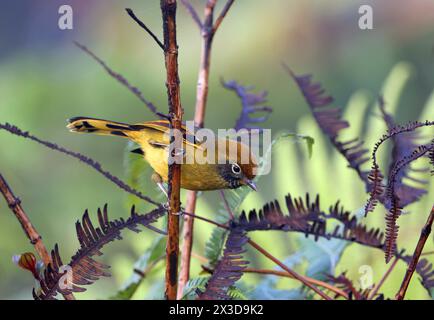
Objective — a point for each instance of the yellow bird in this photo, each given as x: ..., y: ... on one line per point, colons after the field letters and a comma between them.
x: 153, y: 139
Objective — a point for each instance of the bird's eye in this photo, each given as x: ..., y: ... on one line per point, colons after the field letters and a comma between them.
x: 236, y: 168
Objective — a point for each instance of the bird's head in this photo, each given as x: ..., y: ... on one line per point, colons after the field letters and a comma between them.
x: 235, y: 176
x: 240, y: 167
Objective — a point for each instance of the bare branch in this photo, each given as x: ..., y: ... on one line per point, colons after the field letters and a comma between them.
x: 140, y: 23
x: 119, y: 78
x: 222, y: 14
x: 14, y: 204
x: 207, y: 33
x: 86, y: 160
x: 383, y: 279
x: 192, y: 12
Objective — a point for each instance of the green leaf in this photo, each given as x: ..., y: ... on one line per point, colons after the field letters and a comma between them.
x: 126, y: 293
x: 236, y: 294
x: 199, y: 283
x: 192, y: 285
x: 322, y: 255
x: 144, y: 264
x: 215, y: 245
x: 301, y: 138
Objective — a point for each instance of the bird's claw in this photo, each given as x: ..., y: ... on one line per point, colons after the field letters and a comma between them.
x: 166, y: 206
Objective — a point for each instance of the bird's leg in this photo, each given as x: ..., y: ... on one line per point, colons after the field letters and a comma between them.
x: 159, y: 181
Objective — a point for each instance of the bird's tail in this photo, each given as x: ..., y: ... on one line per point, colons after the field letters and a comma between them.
x: 103, y: 127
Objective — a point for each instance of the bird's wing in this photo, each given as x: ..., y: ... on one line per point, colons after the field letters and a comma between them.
x: 164, y: 126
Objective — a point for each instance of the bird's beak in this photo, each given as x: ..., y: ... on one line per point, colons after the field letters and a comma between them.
x: 250, y: 184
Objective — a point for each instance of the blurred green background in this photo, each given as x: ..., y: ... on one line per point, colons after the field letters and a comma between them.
x: 45, y: 79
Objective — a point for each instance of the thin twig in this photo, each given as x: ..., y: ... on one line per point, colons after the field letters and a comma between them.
x: 199, y: 257
x: 121, y: 79
x: 207, y: 33
x: 426, y: 230
x: 427, y: 253
x: 195, y: 216
x: 192, y: 12
x: 140, y: 23
x: 223, y: 14
x: 291, y: 272
x: 383, y: 279
x: 168, y: 10
x: 226, y: 204
x: 149, y: 267
x: 14, y: 204
x: 89, y: 161
x: 278, y: 273
x: 309, y: 279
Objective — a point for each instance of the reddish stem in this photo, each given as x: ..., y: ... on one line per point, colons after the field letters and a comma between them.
x: 168, y: 9
x: 426, y: 231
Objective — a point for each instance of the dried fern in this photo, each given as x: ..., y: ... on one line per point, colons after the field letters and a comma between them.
x: 251, y: 105
x: 331, y: 123
x: 376, y: 187
x: 306, y: 216
x: 229, y: 269
x: 403, y: 144
x: 344, y: 283
x: 85, y: 270
x: 393, y: 200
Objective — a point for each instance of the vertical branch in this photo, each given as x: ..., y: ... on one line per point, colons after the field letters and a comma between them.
x: 207, y: 30
x: 168, y: 10
x: 35, y: 239
x: 426, y: 230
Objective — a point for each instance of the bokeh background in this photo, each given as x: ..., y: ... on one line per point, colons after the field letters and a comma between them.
x: 45, y: 79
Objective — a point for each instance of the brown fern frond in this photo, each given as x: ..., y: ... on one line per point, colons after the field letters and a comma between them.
x: 392, y: 229
x: 345, y: 284
x: 393, y: 200
x: 403, y: 144
x: 306, y: 216
x: 410, y: 195
x: 431, y: 160
x: 229, y: 269
x: 253, y: 108
x: 331, y: 123
x: 82, y: 268
x: 425, y: 270
x: 376, y: 187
